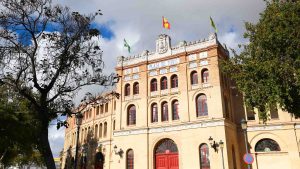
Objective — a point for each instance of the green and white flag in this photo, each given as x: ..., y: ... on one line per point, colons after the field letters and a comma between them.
x: 126, y: 45
x: 213, y: 24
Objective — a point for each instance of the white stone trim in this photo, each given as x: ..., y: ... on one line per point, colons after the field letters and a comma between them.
x: 163, y: 71
x: 264, y: 128
x: 185, y: 47
x: 135, y: 69
x: 130, y: 132
x: 205, y: 85
x: 127, y: 78
x: 135, y: 76
x: 203, y: 55
x: 164, y: 92
x: 153, y: 73
x: 154, y: 93
x: 297, y: 126
x: 192, y: 65
x: 170, y: 128
x: 127, y: 71
x: 192, y: 57
x: 173, y: 69
x: 174, y: 90
x: 163, y: 64
x: 195, y: 86
x: 203, y: 62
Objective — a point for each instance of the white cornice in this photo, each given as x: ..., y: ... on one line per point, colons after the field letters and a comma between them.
x: 274, y: 127
x: 264, y: 128
x: 202, y: 124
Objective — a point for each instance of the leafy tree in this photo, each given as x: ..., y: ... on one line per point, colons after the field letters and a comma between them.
x: 17, y: 130
x: 47, y: 52
x: 267, y: 71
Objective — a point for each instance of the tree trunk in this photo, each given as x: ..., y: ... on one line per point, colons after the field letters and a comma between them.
x: 45, y: 150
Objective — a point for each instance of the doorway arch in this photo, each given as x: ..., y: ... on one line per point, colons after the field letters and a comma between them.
x: 166, y: 155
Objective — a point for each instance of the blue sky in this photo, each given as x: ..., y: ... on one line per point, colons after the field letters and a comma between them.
x: 140, y: 23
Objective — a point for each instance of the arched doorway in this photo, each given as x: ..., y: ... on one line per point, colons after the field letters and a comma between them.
x: 99, y: 160
x: 166, y: 155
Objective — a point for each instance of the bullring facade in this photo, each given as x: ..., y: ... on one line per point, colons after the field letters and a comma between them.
x: 172, y: 102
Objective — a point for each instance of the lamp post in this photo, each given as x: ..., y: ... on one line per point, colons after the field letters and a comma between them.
x: 78, y: 117
x: 221, y: 144
x: 244, y: 128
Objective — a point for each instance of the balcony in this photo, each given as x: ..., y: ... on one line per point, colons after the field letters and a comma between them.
x: 174, y: 90
x: 164, y: 92
x: 205, y: 85
x: 154, y: 93
x: 195, y: 86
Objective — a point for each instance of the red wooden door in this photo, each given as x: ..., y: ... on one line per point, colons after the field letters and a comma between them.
x: 167, y: 161
x: 173, y: 161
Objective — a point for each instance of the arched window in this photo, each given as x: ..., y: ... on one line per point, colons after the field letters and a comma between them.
x: 166, y: 145
x: 174, y: 81
x: 204, y: 157
x: 101, y: 108
x: 129, y: 159
x: 100, y: 131
x: 114, y: 125
x: 154, y: 113
x: 97, y: 110
x: 96, y: 131
x: 204, y: 76
x: 175, y: 110
x: 131, y: 115
x: 164, y: 111
x: 163, y: 83
x: 105, y: 129
x: 201, y: 105
x: 153, y: 85
x: 90, y: 113
x: 136, y: 88
x: 194, y: 78
x: 106, y: 107
x: 127, y: 89
x: 266, y: 145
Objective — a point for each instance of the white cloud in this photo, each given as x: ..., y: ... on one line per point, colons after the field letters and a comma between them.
x: 140, y: 22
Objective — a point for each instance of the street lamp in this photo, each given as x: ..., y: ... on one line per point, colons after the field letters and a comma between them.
x: 120, y: 152
x: 221, y: 144
x: 244, y: 128
x: 213, y: 144
x: 78, y: 117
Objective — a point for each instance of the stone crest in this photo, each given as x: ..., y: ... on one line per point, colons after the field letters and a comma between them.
x: 162, y: 44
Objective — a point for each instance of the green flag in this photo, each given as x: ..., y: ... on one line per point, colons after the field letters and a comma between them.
x: 126, y: 45
x: 213, y: 24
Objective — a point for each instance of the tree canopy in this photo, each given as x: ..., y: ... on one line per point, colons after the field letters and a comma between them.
x: 267, y: 71
x: 17, y: 130
x: 47, y: 53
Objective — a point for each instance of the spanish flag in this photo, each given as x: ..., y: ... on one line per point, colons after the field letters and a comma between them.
x: 166, y: 24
